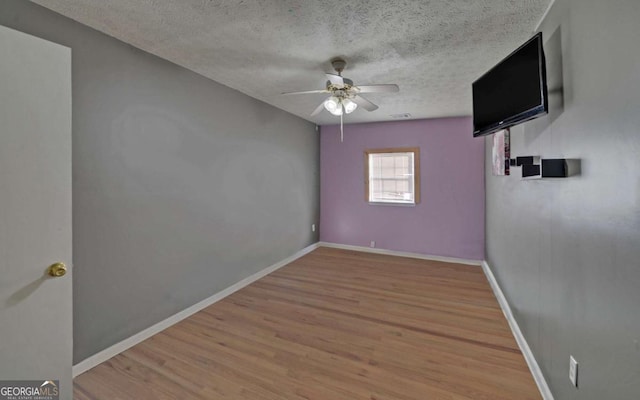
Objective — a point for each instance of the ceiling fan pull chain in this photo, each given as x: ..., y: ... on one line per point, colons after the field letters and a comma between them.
x: 341, y: 132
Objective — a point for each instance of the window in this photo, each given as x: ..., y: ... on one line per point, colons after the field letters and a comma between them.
x: 392, y: 175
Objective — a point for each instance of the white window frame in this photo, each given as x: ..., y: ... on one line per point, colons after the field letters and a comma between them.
x: 370, y: 176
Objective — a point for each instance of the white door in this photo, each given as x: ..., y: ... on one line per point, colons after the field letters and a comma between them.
x: 35, y: 211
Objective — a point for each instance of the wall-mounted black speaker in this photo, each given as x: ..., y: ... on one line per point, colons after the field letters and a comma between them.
x: 554, y: 168
x: 530, y: 170
x: 560, y: 167
x: 526, y: 160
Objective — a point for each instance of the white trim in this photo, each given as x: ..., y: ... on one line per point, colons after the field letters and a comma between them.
x: 517, y: 333
x: 119, y: 347
x: 401, y: 253
x: 544, y: 16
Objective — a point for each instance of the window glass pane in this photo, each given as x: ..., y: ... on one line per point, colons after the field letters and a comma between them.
x: 403, y: 186
x: 388, y: 187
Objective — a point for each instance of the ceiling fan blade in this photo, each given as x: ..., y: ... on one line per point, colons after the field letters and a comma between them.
x: 318, y: 109
x: 335, y: 79
x: 307, y: 92
x: 386, y: 88
x: 364, y: 103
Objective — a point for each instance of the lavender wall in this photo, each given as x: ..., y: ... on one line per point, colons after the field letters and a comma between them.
x: 448, y: 221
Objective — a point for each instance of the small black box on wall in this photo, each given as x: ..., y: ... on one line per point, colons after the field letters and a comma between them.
x: 526, y: 160
x: 560, y: 167
x: 530, y: 171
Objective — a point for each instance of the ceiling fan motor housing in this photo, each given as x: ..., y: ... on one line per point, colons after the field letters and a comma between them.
x: 346, y: 86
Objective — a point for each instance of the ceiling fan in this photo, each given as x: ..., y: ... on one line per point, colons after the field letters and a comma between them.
x: 344, y: 95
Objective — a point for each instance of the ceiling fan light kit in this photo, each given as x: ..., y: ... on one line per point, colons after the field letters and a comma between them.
x: 349, y: 106
x: 340, y: 105
x: 344, y: 95
x: 332, y: 104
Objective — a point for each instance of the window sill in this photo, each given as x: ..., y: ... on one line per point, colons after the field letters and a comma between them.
x: 371, y: 203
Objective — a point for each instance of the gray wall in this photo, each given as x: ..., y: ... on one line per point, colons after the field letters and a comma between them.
x: 181, y: 186
x: 567, y: 252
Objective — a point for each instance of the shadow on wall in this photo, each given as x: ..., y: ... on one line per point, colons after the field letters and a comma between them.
x: 555, y: 84
x: 27, y: 290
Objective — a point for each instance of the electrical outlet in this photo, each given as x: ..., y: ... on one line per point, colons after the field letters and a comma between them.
x: 373, y: 243
x: 313, y: 227
x: 573, y: 371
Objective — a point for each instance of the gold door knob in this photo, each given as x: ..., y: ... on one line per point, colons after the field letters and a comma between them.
x: 57, y: 270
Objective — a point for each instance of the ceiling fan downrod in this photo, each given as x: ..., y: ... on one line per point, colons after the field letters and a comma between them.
x: 338, y: 64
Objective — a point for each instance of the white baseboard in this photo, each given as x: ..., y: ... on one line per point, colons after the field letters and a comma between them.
x: 118, y: 348
x: 517, y: 333
x: 401, y: 253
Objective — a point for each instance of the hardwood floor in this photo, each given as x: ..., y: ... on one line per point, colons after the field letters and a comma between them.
x: 333, y: 325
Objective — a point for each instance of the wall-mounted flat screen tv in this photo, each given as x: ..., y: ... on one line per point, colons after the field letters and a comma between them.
x: 512, y: 92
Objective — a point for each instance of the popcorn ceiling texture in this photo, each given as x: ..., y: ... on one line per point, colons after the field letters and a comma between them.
x: 433, y: 50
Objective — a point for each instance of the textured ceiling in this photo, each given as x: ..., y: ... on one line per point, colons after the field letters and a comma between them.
x: 433, y: 49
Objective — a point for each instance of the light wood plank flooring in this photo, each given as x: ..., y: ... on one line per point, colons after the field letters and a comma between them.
x: 333, y: 325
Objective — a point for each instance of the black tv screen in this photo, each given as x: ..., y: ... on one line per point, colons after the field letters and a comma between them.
x: 513, y: 91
